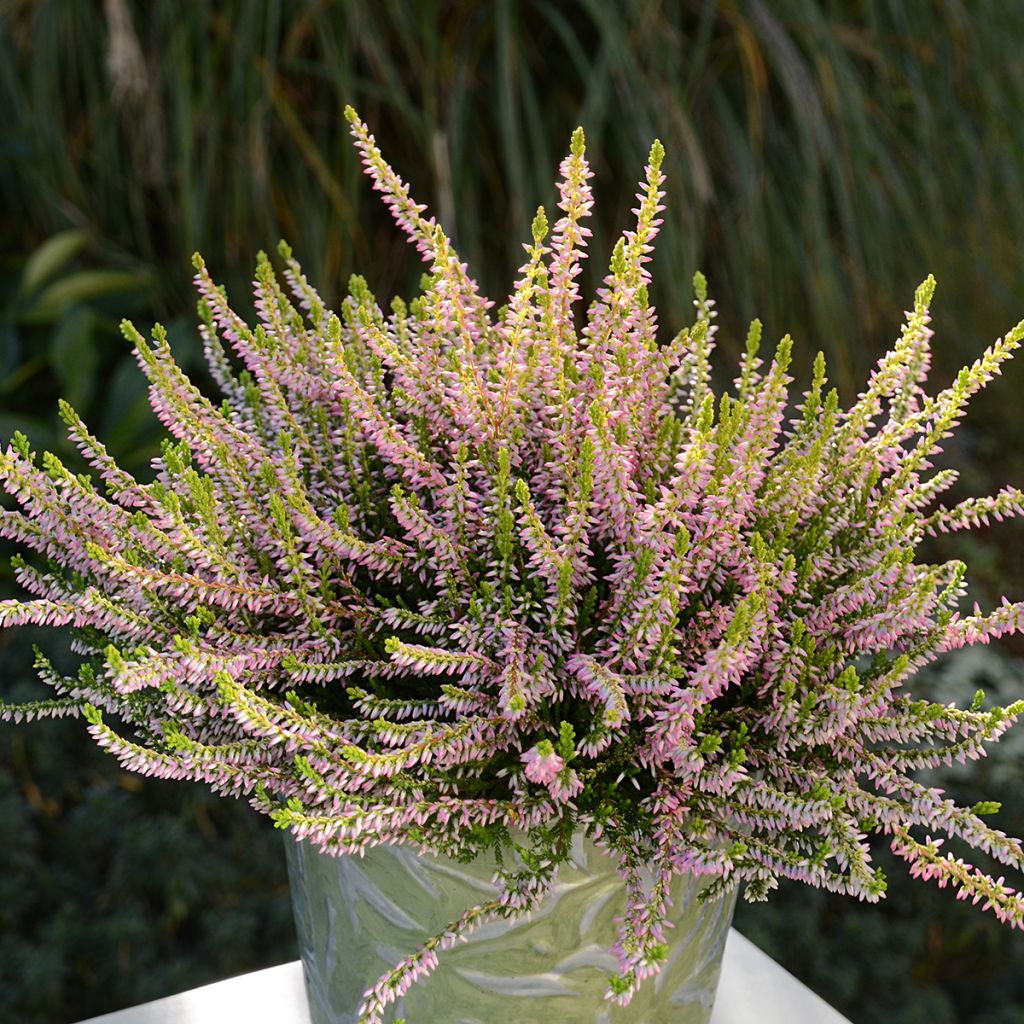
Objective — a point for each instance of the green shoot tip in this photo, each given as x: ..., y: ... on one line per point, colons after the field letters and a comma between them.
x: 129, y: 331
x: 987, y: 807
x: 784, y: 352
x: 579, y: 143
x: 819, y: 368
x: 657, y: 154
x: 618, y: 263
x: 923, y: 295
x: 539, y: 226
x: 754, y: 338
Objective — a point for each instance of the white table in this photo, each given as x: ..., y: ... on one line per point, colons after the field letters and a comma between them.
x: 754, y: 990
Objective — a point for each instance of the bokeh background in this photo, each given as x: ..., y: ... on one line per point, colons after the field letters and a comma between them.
x: 822, y: 158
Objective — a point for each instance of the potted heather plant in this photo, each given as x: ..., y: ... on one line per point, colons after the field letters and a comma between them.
x: 561, y: 644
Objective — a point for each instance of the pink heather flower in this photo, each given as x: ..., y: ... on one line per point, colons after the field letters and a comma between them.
x: 565, y: 785
x: 542, y: 763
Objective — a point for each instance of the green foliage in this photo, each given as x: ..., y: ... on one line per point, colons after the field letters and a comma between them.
x: 58, y: 332
x: 817, y: 151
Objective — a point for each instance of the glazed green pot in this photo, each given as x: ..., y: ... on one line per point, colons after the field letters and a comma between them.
x: 358, y: 917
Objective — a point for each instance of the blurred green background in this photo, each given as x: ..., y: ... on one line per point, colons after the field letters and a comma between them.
x: 822, y: 158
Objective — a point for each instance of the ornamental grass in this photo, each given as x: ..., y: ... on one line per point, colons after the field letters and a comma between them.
x: 476, y: 578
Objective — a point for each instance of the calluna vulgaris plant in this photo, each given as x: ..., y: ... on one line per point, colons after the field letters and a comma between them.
x: 457, y: 576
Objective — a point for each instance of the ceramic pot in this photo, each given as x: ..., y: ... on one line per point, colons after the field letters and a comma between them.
x: 358, y: 916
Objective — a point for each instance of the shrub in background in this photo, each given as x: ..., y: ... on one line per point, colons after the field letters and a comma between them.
x: 58, y: 311
x: 823, y: 150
